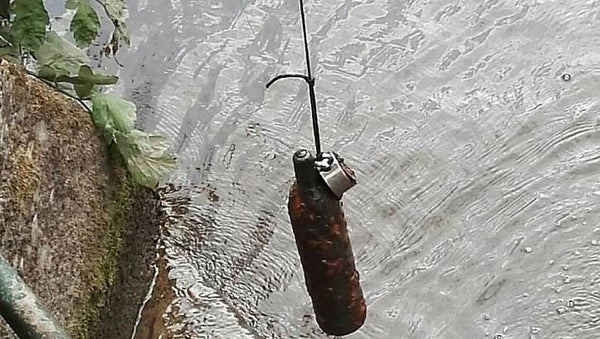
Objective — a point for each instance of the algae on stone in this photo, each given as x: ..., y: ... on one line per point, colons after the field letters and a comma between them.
x: 64, y: 204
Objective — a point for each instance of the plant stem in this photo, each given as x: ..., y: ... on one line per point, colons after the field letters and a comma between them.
x: 50, y: 84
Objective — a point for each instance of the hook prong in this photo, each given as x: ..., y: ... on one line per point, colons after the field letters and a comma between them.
x: 283, y: 76
x: 309, y: 80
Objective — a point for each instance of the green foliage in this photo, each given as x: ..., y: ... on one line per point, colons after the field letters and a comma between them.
x: 29, y: 26
x: 85, y: 24
x: 85, y: 81
x: 71, y: 4
x: 58, y: 57
x: 145, y: 155
x: 60, y: 61
x: 113, y: 114
x: 7, y: 49
x: 117, y: 12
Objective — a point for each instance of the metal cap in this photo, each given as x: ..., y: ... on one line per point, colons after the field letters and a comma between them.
x: 338, y: 177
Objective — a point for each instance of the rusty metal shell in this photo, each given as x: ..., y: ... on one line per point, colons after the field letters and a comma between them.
x: 325, y: 251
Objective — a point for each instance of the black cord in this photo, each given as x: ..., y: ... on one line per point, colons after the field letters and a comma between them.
x: 55, y: 87
x: 309, y: 80
x: 311, y: 83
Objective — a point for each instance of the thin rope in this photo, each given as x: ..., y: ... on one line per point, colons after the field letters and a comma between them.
x: 311, y: 83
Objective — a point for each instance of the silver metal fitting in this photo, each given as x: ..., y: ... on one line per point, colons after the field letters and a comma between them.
x: 338, y: 177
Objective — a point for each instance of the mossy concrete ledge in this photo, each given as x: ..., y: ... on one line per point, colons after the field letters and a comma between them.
x: 74, y: 226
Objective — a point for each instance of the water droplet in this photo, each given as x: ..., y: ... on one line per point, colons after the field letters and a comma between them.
x: 595, y: 242
x: 570, y: 303
x: 534, y: 330
x: 528, y: 249
x: 485, y: 316
x: 392, y: 313
x: 565, y: 267
x: 561, y: 310
x: 573, y: 217
x: 577, y: 253
x: 566, y: 77
x: 551, y: 262
x: 525, y: 295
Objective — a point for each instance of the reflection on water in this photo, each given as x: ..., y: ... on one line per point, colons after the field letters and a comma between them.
x: 476, y: 213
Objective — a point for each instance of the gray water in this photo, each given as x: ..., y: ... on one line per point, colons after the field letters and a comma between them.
x: 476, y: 213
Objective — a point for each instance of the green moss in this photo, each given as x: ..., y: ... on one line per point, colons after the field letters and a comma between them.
x: 112, y: 243
x: 98, y: 211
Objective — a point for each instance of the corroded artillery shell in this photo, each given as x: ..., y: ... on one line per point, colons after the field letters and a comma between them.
x: 325, y: 250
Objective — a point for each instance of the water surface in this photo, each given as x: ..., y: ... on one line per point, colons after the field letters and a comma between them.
x: 476, y: 213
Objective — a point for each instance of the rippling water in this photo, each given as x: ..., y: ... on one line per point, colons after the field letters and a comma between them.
x: 476, y: 213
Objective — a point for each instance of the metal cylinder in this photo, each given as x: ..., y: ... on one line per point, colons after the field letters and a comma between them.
x: 22, y: 310
x: 325, y: 251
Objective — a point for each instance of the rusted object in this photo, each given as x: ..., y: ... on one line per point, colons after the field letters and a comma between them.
x: 325, y: 250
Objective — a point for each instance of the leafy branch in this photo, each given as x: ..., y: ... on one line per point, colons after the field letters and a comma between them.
x: 24, y: 30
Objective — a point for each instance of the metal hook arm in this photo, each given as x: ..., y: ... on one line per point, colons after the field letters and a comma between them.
x: 309, y: 80
x: 313, y: 102
x: 283, y: 76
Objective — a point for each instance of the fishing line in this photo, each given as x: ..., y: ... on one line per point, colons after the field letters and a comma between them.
x: 309, y: 80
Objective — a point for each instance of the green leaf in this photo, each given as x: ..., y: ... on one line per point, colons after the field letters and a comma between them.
x: 112, y: 114
x: 47, y: 72
x: 117, y: 12
x: 87, y: 75
x: 61, y: 56
x: 85, y: 24
x: 10, y: 53
x: 29, y: 26
x: 84, y: 90
x: 146, y: 157
x: 7, y: 50
x: 71, y: 4
x: 85, y: 81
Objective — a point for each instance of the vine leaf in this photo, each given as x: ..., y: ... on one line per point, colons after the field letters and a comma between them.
x: 71, y: 4
x: 83, y: 91
x: 113, y: 115
x: 7, y: 49
x: 117, y: 13
x: 58, y: 58
x: 86, y: 79
x: 85, y: 24
x: 146, y: 157
x: 28, y: 28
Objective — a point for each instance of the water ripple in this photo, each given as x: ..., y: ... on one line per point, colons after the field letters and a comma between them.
x: 475, y: 213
